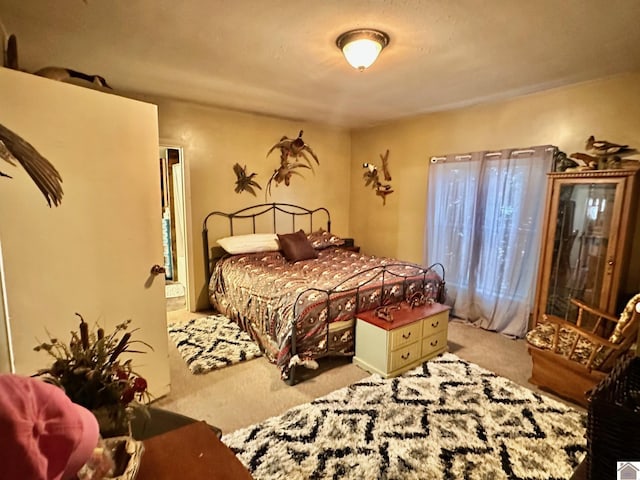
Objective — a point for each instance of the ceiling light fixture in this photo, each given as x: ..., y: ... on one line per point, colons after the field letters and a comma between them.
x: 361, y: 47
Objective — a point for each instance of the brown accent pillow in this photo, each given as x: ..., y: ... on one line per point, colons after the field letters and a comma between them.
x: 322, y: 239
x: 296, y: 246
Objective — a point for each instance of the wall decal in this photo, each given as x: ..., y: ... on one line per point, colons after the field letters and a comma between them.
x: 244, y: 182
x: 13, y: 148
x: 290, y: 148
x: 372, y: 177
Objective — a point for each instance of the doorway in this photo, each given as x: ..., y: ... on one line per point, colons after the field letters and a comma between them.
x: 174, y: 227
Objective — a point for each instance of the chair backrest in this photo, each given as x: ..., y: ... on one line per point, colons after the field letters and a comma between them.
x: 628, y: 323
x: 624, y: 334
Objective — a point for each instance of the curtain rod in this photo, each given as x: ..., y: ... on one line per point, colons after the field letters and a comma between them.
x: 489, y: 154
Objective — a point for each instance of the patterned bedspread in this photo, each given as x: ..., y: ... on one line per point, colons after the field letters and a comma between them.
x: 264, y: 293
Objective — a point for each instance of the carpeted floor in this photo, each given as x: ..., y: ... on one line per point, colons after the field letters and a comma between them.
x: 212, y: 342
x: 448, y: 419
x: 250, y: 392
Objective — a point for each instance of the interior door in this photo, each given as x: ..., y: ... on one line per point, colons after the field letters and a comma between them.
x: 94, y: 253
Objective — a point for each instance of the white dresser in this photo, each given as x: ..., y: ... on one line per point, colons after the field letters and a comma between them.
x: 412, y: 337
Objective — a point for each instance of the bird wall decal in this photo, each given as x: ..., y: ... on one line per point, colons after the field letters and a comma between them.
x: 290, y: 148
x: 295, y: 148
x: 372, y: 177
x: 13, y: 148
x: 244, y: 182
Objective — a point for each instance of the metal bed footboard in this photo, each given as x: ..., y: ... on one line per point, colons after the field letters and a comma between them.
x: 438, y: 294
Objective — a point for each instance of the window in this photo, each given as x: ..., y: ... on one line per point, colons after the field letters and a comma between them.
x: 484, y: 214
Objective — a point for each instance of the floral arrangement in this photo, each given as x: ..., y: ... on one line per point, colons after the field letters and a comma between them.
x: 90, y: 371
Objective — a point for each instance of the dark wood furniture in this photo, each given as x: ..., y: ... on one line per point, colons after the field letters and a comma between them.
x: 350, y: 245
x: 580, y: 472
x: 190, y: 452
x: 161, y: 421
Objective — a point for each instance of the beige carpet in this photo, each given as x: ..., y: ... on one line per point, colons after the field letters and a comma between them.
x: 249, y: 392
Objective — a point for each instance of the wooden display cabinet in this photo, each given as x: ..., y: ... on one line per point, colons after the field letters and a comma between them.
x: 586, y: 244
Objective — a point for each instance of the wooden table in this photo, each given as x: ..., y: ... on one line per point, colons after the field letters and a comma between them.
x: 191, y: 452
x: 581, y: 471
x: 160, y: 421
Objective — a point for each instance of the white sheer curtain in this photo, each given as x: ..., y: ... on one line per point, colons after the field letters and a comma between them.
x: 484, y: 215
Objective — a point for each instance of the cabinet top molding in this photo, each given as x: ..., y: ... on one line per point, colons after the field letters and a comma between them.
x: 620, y: 172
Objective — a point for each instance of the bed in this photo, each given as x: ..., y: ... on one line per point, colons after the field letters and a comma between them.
x: 300, y: 311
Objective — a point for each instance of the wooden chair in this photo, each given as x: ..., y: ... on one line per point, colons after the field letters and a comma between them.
x: 569, y: 359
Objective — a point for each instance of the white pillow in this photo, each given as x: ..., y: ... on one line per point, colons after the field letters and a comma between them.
x: 254, y: 242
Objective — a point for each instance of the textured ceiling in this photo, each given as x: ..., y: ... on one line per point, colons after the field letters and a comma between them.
x: 279, y: 57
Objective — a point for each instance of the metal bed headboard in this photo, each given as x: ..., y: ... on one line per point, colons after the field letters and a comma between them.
x: 277, y: 210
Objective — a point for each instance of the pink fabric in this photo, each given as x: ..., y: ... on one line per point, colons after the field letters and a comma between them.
x: 43, y: 434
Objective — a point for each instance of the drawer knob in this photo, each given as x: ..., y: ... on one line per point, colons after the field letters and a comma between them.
x: 406, y: 355
x: 406, y: 336
x: 435, y: 324
x: 434, y: 343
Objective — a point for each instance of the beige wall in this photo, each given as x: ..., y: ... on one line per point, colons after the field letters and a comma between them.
x: 213, y: 140
x: 565, y: 117
x: 93, y: 253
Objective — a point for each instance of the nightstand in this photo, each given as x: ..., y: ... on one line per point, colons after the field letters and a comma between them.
x: 349, y: 245
x: 412, y: 337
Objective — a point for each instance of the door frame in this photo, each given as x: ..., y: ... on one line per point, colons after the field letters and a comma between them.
x: 7, y: 363
x: 188, y: 230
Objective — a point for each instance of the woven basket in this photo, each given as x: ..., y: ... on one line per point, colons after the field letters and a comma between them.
x: 614, y: 420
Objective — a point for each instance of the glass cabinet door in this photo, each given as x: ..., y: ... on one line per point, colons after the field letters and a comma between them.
x: 588, y: 250
x: 581, y: 256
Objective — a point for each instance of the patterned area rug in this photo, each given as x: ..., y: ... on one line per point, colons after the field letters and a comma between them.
x: 448, y: 419
x: 212, y: 342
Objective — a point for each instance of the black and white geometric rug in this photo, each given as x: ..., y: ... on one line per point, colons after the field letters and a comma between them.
x: 447, y: 419
x: 212, y: 342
